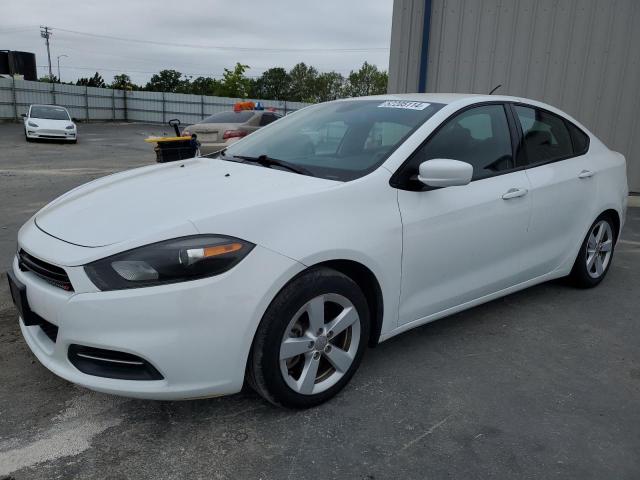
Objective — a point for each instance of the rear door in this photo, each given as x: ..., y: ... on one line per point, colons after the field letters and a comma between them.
x: 462, y: 243
x: 563, y: 187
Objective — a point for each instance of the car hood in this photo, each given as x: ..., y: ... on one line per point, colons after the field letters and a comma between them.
x: 50, y: 124
x: 151, y: 200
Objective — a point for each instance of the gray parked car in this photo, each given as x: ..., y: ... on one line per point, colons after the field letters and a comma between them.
x: 222, y: 129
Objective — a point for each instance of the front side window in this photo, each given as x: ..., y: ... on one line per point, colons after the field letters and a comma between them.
x: 49, y: 113
x: 479, y: 136
x: 341, y: 140
x: 545, y: 135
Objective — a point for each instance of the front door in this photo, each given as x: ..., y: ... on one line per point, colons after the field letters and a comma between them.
x: 462, y: 243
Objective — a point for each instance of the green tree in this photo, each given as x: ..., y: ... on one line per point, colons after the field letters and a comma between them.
x: 303, y: 83
x: 205, y: 86
x: 48, y: 79
x: 166, y: 81
x: 95, y: 81
x: 234, y: 82
x: 328, y: 86
x: 123, y: 82
x: 366, y: 81
x: 273, y: 84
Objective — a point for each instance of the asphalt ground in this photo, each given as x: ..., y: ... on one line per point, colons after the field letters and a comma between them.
x: 544, y: 383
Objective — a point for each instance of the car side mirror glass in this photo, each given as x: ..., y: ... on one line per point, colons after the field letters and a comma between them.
x: 74, y: 119
x: 23, y: 115
x: 444, y: 172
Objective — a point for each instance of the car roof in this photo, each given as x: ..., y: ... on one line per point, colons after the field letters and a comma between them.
x: 445, y: 98
x: 465, y: 99
x: 46, y: 105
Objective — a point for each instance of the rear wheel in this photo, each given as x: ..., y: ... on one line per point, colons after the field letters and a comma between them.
x: 310, y: 341
x: 596, y: 253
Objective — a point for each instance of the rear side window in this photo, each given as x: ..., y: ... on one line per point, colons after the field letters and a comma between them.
x: 579, y: 138
x: 546, y: 136
x: 229, y: 117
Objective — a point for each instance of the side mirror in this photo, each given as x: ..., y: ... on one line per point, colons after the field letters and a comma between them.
x: 442, y: 172
x: 74, y: 119
x: 23, y: 115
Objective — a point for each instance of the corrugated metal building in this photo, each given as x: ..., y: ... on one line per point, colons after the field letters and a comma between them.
x: 582, y: 56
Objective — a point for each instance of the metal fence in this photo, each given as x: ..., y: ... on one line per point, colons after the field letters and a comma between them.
x: 104, y: 104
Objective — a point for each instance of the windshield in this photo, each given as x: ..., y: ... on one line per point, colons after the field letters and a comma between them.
x: 229, y: 117
x: 49, y: 113
x: 341, y: 140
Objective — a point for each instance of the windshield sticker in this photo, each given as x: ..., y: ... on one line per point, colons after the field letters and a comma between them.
x: 404, y: 104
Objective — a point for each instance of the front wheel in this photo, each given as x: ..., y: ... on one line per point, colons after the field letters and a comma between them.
x: 596, y: 253
x: 310, y: 341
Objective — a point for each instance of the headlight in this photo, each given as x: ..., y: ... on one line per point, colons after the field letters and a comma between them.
x: 70, y: 127
x: 186, y: 133
x: 171, y: 261
x: 31, y: 124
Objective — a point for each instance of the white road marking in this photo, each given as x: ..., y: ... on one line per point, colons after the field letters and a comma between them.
x: 428, y: 432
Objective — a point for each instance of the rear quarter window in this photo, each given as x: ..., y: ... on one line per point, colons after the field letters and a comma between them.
x: 579, y: 138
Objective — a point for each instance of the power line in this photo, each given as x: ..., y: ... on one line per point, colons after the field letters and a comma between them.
x: 127, y: 70
x: 16, y: 29
x: 221, y: 47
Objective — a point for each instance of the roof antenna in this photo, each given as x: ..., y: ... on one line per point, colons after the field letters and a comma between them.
x: 497, y: 87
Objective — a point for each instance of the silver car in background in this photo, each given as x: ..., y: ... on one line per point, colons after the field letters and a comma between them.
x: 222, y: 129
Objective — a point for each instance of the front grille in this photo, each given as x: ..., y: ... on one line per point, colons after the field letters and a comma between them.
x: 51, y: 132
x: 54, y: 275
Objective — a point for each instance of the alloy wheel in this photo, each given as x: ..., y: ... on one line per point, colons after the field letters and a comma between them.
x: 599, y: 249
x: 320, y: 344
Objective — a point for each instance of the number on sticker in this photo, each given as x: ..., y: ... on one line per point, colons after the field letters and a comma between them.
x: 404, y: 104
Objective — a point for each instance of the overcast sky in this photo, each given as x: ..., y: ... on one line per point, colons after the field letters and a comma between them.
x: 328, y: 34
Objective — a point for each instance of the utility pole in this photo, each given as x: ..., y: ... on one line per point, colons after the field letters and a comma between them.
x: 59, y: 57
x: 45, y: 32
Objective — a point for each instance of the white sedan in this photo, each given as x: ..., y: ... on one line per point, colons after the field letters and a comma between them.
x: 49, y: 122
x: 333, y: 229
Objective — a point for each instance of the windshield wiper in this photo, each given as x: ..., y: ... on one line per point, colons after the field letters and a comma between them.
x: 269, y: 162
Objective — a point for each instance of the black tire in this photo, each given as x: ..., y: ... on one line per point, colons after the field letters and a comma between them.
x: 580, y: 275
x: 263, y: 370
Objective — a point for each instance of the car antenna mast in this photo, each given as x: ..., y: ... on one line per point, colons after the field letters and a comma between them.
x: 494, y: 89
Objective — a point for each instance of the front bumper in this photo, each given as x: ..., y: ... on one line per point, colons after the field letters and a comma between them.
x: 36, y: 133
x: 196, y: 334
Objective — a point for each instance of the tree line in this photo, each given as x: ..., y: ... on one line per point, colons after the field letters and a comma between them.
x: 303, y: 83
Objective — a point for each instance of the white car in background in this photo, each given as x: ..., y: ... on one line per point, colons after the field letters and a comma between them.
x: 333, y: 229
x: 51, y: 122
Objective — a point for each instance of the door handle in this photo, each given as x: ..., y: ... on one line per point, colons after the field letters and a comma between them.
x: 585, y: 174
x: 515, y: 193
